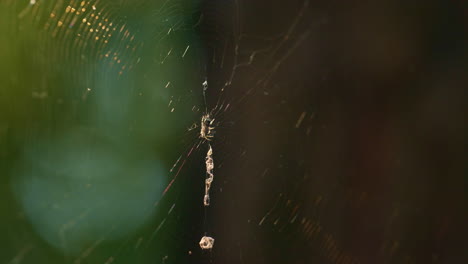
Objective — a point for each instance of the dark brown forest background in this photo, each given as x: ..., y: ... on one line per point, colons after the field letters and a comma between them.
x: 379, y: 166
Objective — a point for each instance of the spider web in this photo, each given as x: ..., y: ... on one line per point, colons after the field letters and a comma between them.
x: 107, y: 80
x: 101, y: 109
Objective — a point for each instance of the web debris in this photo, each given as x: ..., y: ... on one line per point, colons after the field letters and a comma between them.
x: 209, y: 176
x: 206, y: 242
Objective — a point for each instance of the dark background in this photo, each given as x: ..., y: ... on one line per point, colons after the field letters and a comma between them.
x: 377, y: 170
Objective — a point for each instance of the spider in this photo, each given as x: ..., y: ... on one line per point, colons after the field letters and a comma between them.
x: 206, y: 127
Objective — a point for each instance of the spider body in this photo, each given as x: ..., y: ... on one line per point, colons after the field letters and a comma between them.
x: 206, y: 127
